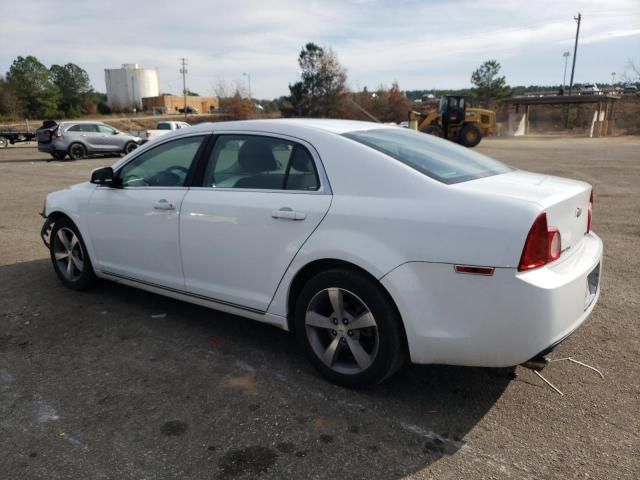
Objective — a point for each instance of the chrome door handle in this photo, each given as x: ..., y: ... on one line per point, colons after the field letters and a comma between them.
x: 286, y: 213
x: 164, y: 204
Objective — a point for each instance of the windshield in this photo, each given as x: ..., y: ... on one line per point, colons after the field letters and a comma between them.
x: 439, y: 159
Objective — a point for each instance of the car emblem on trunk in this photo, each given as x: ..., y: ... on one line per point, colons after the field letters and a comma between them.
x: 578, y: 212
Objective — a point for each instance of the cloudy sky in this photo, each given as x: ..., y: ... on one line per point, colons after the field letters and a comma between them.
x: 419, y: 43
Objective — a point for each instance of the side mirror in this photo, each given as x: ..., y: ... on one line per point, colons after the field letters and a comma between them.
x: 116, y: 132
x: 103, y: 176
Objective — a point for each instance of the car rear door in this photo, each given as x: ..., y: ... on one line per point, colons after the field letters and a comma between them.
x: 84, y: 133
x: 135, y: 229
x: 260, y: 198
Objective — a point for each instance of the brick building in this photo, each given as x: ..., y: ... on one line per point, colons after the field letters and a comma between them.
x: 173, y: 103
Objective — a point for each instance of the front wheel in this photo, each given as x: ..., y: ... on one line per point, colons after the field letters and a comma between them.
x: 130, y: 147
x: 69, y: 256
x: 470, y: 135
x: 4, y: 143
x: 349, y: 328
x: 434, y: 130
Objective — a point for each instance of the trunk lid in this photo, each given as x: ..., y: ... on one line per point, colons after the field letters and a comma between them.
x: 45, y: 132
x: 565, y: 201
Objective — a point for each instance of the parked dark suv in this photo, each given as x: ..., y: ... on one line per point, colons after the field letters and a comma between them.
x: 79, y: 139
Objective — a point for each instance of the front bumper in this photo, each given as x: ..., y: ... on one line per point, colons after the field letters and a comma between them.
x: 494, y: 321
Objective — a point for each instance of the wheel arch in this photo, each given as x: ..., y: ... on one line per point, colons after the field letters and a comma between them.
x: 308, y: 271
x: 57, y: 214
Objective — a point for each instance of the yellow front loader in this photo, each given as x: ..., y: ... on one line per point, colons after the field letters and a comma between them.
x: 454, y: 121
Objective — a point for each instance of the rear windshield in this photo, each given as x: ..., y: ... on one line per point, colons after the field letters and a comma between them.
x: 439, y: 159
x: 164, y: 126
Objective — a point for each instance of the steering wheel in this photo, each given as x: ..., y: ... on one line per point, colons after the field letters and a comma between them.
x: 178, y: 168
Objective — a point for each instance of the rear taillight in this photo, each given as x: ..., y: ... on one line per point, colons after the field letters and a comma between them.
x: 543, y: 245
x: 56, y: 133
x: 590, y: 212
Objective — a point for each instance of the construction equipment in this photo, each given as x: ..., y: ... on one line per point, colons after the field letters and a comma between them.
x: 455, y: 121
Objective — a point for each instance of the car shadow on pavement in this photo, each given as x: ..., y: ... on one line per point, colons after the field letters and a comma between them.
x: 124, y: 383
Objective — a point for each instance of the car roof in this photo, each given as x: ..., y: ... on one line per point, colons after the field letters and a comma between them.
x: 292, y: 125
x: 75, y: 122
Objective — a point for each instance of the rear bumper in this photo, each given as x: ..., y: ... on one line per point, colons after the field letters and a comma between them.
x: 497, y: 321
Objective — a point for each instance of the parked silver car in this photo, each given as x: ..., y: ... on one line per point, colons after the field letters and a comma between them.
x: 79, y: 139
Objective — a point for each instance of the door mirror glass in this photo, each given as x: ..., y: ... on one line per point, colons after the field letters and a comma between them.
x: 102, y: 176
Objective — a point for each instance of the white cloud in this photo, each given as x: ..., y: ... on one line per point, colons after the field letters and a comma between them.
x: 420, y: 43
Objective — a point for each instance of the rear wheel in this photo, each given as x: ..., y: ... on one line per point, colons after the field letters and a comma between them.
x: 349, y: 328
x: 130, y: 147
x: 434, y: 130
x: 470, y: 135
x: 69, y: 256
x: 77, y: 151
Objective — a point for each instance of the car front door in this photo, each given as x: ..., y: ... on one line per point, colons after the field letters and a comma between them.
x: 260, y: 198
x: 108, y: 139
x: 135, y: 228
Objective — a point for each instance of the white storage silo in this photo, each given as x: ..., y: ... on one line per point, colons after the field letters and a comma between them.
x: 127, y: 86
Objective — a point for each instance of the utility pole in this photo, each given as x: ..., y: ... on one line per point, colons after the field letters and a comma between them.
x: 183, y: 71
x: 575, y: 51
x: 248, y: 75
x: 566, y: 56
x: 613, y: 78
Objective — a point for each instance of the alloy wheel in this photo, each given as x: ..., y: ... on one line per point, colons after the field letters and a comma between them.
x: 68, y: 255
x: 342, y: 331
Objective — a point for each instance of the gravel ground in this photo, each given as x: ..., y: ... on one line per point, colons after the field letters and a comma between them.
x: 118, y: 383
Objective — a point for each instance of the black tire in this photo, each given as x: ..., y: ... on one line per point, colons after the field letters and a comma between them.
x: 59, y: 155
x: 384, y: 344
x: 469, y: 135
x: 130, y: 147
x: 4, y: 143
x: 434, y: 130
x: 74, y: 275
x: 77, y: 151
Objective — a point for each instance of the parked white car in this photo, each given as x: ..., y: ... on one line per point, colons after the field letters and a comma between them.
x: 162, y: 128
x: 590, y: 89
x: 373, y: 243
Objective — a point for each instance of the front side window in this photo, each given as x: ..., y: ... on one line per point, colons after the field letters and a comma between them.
x: 442, y: 160
x: 257, y: 162
x: 106, y: 129
x: 166, y: 165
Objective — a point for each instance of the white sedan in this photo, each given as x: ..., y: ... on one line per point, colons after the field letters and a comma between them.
x: 373, y: 243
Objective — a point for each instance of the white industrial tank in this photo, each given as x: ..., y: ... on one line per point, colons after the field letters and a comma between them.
x: 127, y: 86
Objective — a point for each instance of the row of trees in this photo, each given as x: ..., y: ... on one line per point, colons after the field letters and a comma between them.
x: 322, y: 90
x: 31, y: 90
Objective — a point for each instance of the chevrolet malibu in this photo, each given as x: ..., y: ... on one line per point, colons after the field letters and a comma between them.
x: 374, y: 244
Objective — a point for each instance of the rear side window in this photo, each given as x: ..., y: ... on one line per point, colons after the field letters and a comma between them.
x: 441, y: 160
x: 263, y: 163
x: 84, y: 127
